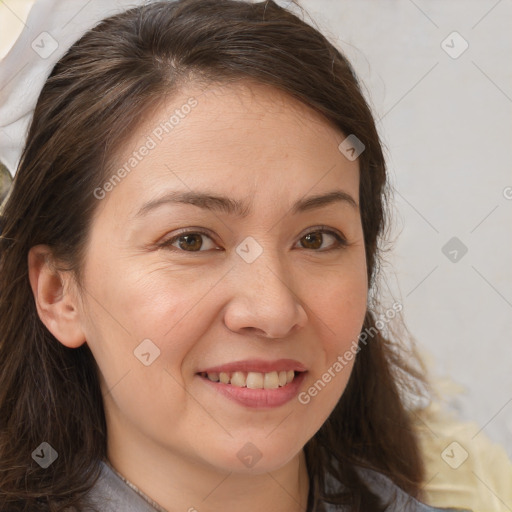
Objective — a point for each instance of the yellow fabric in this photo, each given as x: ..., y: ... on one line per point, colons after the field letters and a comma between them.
x: 464, y: 468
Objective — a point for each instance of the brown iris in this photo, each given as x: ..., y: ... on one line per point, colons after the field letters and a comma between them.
x: 313, y: 240
x: 192, y: 242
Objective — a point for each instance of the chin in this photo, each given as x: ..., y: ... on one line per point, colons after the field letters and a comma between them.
x: 253, y: 457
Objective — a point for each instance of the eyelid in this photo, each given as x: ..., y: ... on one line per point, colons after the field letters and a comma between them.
x: 324, y: 229
x: 341, y: 240
x: 167, y: 243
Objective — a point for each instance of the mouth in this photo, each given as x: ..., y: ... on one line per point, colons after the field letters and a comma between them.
x: 256, y: 384
x: 252, y: 380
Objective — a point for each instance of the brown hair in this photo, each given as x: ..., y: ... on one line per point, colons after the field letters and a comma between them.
x: 94, y: 98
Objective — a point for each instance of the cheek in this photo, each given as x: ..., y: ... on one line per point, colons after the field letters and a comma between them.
x: 143, y: 323
x: 340, y: 303
x: 133, y: 311
x: 342, y: 317
x: 339, y: 308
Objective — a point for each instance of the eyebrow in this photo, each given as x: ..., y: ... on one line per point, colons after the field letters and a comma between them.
x: 239, y: 208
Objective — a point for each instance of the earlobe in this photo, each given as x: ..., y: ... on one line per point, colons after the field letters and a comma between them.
x: 55, y: 302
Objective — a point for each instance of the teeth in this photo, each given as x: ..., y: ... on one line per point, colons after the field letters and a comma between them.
x: 271, y: 380
x: 253, y: 380
x: 238, y: 379
x: 213, y: 376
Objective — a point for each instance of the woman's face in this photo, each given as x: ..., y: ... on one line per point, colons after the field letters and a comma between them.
x: 216, y: 256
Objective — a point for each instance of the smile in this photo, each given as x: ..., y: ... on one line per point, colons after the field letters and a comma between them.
x: 252, y: 380
x: 255, y: 383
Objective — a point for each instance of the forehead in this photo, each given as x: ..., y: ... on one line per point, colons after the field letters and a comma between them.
x: 241, y: 137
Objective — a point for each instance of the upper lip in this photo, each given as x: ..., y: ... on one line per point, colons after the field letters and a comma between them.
x: 257, y: 365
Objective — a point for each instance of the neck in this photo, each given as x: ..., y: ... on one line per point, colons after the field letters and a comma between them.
x: 177, y: 483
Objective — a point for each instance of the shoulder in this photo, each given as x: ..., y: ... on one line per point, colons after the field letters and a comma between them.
x: 112, y: 494
x: 399, y: 500
x: 390, y: 494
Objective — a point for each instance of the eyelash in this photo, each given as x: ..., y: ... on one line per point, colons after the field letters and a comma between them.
x: 340, y: 240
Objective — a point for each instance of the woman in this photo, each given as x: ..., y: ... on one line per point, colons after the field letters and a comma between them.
x: 188, y: 264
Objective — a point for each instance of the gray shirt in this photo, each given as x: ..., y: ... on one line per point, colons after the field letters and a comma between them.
x: 112, y: 493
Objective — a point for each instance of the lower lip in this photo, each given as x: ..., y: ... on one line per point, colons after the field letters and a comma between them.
x: 258, y: 398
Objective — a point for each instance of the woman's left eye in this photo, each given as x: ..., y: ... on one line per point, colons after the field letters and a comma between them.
x: 315, y: 240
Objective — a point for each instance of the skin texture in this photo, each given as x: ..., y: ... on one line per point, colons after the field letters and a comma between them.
x: 168, y: 432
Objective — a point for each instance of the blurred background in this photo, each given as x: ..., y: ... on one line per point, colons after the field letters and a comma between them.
x: 438, y: 76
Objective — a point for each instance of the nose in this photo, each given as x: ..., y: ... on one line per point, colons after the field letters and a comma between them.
x: 264, y: 301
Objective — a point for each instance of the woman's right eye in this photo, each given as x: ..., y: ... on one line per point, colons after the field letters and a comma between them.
x: 190, y: 241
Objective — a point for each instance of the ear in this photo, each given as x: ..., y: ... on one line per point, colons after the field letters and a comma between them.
x: 55, y: 301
